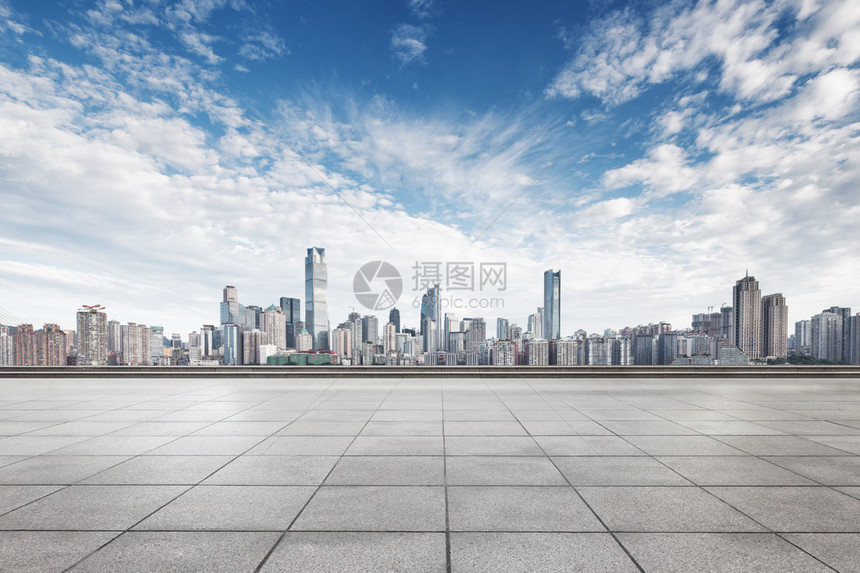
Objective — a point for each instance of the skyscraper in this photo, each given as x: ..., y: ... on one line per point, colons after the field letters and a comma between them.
x: 747, y: 319
x: 826, y: 336
x: 774, y: 318
x: 394, y: 317
x: 502, y: 328
x: 845, y: 313
x: 92, y: 336
x: 292, y: 308
x: 316, y: 297
x: 370, y: 328
x: 552, y: 304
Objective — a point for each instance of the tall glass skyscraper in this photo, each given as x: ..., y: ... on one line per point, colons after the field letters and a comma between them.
x: 292, y: 308
x: 552, y: 305
x: 316, y: 297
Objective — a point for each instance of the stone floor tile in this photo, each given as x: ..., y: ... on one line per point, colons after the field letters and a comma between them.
x: 587, y: 446
x: 683, y: 446
x: 557, y: 509
x: 47, y: 551
x: 302, y: 446
x: 718, y: 553
x: 61, y: 470
x: 274, y: 470
x: 375, y: 508
x: 829, y: 470
x: 664, y: 509
x: 206, y: 446
x: 795, y: 509
x: 396, y: 446
x: 91, y: 507
x: 160, y: 470
x: 612, y: 471
x: 501, y: 470
x: 347, y: 552
x: 15, y: 496
x: 180, y: 552
x: 492, y: 446
x: 732, y: 470
x: 231, y: 508
x: 530, y: 552
x: 841, y: 551
x: 388, y: 470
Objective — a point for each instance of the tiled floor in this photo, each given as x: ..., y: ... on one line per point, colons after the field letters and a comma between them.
x: 429, y: 475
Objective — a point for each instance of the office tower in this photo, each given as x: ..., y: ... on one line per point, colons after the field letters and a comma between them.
x: 207, y: 341
x: 114, y: 336
x: 316, y: 297
x: 370, y: 329
x: 431, y: 327
x: 254, y: 316
x: 747, y: 321
x: 845, y: 313
x: 231, y: 294
x: 233, y: 345
x: 292, y: 309
x: 552, y: 304
x: 826, y: 336
x: 389, y: 342
x: 7, y: 347
x: 251, y: 342
x: 273, y: 324
x: 502, y: 329
x: 156, y: 344
x: 802, y: 336
x: 621, y: 352
x: 774, y: 322
x: 26, y: 347
x: 92, y: 336
x: 394, y: 316
x: 193, y: 339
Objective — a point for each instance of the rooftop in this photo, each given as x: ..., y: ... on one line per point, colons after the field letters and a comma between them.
x: 422, y: 474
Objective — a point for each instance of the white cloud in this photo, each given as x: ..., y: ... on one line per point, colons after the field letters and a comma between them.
x: 622, y: 54
x: 422, y: 8
x: 409, y: 43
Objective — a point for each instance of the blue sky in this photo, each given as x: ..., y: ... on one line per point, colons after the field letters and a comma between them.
x: 152, y: 151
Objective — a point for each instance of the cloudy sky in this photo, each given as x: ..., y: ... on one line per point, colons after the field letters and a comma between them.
x: 152, y: 151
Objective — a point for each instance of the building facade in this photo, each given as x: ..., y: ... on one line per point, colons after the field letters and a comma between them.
x: 316, y: 298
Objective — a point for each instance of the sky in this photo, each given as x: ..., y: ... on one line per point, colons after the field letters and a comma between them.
x: 153, y: 151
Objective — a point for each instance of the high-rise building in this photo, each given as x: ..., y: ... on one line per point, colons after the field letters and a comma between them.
x: 156, y: 344
x: 845, y: 313
x: 207, y: 341
x: 92, y: 336
x: 26, y: 346
x: 854, y: 337
x: 292, y: 308
x: 727, y: 320
x: 7, y: 347
x: 431, y: 325
x: 667, y: 348
x: 135, y: 341
x: 273, y: 323
x: 563, y: 352
x: 643, y: 350
x: 341, y: 340
x: 774, y: 320
x: 370, y: 329
x: 389, y: 342
x: 114, y: 336
x: 747, y: 319
x: 476, y: 334
x: 552, y: 304
x: 316, y: 297
x: 233, y: 345
x: 502, y: 329
x: 537, y: 352
x: 826, y: 336
x: 394, y: 316
x: 304, y: 340
x: 536, y: 323
x: 252, y: 340
x: 802, y: 336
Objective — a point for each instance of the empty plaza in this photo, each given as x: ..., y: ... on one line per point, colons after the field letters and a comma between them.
x: 429, y: 474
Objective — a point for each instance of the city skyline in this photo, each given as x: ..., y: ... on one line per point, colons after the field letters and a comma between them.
x: 154, y: 151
